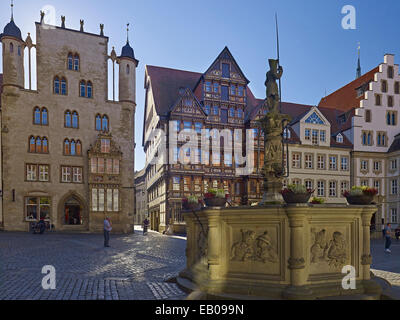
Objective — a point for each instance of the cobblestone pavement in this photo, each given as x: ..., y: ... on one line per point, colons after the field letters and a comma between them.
x: 134, y: 268
x: 386, y: 265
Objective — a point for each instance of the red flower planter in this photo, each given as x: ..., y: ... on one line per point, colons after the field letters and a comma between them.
x: 361, y: 200
x: 291, y: 197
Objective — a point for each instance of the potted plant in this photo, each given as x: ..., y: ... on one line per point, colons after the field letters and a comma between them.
x: 360, y: 195
x: 216, y: 198
x: 296, y: 194
x: 192, y: 203
x: 317, y: 200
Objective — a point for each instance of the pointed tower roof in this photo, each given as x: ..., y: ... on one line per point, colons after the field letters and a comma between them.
x: 359, y: 63
x: 127, y: 50
x: 11, y: 29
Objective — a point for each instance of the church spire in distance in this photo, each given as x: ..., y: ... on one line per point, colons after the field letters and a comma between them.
x: 12, y: 10
x: 359, y: 62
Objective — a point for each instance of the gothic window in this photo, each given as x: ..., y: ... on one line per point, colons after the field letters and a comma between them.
x: 38, y: 145
x: 57, y: 85
x: 104, y: 125
x: 63, y: 86
x: 67, y: 149
x: 19, y: 51
x: 128, y: 69
x: 314, y: 119
x: 89, y: 90
x: 45, y: 117
x: 68, y: 119
x: 82, y: 91
x: 73, y: 148
x: 32, y: 144
x: 75, y: 120
x: 45, y: 145
x: 11, y: 47
x: 98, y: 122
x: 76, y: 62
x: 78, y: 148
x: 37, y: 116
x: 70, y: 61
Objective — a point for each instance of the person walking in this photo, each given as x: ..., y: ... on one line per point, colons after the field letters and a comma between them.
x: 388, y: 238
x: 146, y: 223
x: 107, y: 230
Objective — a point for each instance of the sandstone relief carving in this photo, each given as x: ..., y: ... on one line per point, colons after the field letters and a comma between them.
x: 253, y: 248
x: 333, y: 252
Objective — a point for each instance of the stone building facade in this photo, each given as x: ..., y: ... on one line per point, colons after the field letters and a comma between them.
x: 68, y: 151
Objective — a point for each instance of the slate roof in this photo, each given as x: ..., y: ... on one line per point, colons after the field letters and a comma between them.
x: 11, y: 30
x: 345, y: 98
x: 127, y: 52
x: 395, y: 145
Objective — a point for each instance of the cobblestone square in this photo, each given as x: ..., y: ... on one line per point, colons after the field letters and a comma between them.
x: 134, y: 268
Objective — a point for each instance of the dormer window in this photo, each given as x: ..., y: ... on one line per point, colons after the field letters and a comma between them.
x: 286, y: 134
x: 339, y: 138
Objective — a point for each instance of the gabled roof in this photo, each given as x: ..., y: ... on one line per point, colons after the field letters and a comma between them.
x: 188, y: 93
x: 166, y: 83
x: 395, y: 145
x: 226, y: 54
x: 346, y: 98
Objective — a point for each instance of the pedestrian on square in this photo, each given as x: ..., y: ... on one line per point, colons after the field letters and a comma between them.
x: 146, y: 223
x: 107, y: 230
x: 388, y: 238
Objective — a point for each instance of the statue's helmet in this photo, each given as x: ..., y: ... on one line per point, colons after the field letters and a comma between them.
x: 273, y: 63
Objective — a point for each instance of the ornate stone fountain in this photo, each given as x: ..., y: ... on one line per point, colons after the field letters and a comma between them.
x: 278, y: 251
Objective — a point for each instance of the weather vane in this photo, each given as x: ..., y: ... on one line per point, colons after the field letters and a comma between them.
x: 127, y: 32
x: 12, y: 10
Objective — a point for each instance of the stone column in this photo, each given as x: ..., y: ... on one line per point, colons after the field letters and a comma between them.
x: 297, y: 262
x: 214, y: 246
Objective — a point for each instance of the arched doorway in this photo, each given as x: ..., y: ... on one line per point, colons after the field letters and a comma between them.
x: 73, y: 212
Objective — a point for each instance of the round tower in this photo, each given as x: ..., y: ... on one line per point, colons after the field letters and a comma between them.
x: 127, y: 74
x: 13, y: 55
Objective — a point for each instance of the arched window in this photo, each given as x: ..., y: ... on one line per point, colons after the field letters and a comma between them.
x: 364, y: 137
x: 68, y: 122
x: 63, y: 86
x: 82, y: 89
x: 339, y: 138
x: 11, y: 47
x: 104, y: 126
x: 70, y: 61
x: 56, y: 85
x: 369, y: 139
x: 37, y: 116
x: 38, y: 145
x: 98, y: 122
x: 128, y: 69
x: 78, y: 148
x: 286, y: 133
x: 45, y: 117
x: 67, y: 150
x: 45, y: 145
x: 32, y: 145
x: 89, y: 90
x: 73, y: 148
x: 19, y: 50
x: 76, y: 62
x: 75, y: 120
x: 388, y: 119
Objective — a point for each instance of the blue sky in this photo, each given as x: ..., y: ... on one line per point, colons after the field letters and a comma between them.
x: 318, y: 55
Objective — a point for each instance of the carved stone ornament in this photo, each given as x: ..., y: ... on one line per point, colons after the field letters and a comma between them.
x: 297, y: 263
x: 252, y: 248
x: 366, y: 260
x: 333, y: 252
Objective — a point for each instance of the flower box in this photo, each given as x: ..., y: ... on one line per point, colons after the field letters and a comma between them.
x: 291, y: 197
x: 215, y: 202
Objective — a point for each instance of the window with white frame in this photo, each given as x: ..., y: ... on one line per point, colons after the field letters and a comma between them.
x: 307, y: 134
x: 377, y: 186
x: 309, y: 184
x: 332, y: 162
x: 377, y: 165
x: 344, y: 186
x: 364, y: 183
x: 364, y: 165
x: 321, y: 188
x: 345, y: 163
x: 339, y: 138
x: 296, y: 160
x: 31, y: 172
x: 394, y: 188
x: 393, y: 164
x: 321, y: 162
x: 394, y: 215
x: 332, y: 189
x: 308, y: 160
